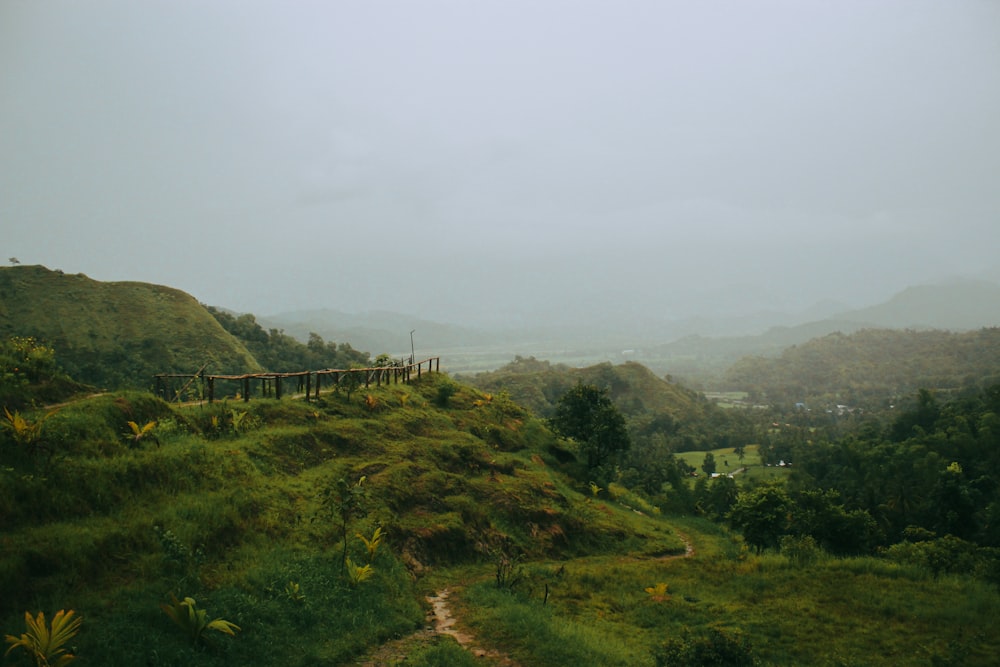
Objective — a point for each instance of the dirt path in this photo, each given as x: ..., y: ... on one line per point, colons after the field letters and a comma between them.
x: 441, y: 621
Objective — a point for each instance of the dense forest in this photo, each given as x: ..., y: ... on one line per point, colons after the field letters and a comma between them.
x: 872, y: 368
x: 277, y: 351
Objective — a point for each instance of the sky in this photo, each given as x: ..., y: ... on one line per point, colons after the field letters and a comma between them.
x: 504, y: 162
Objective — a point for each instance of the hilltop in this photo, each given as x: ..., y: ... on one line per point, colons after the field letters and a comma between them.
x: 653, y: 407
x: 115, y: 334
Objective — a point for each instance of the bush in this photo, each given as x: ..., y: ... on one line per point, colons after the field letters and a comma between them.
x: 803, y: 551
x: 716, y: 647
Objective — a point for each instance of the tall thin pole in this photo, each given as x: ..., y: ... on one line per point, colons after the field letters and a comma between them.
x: 412, y: 357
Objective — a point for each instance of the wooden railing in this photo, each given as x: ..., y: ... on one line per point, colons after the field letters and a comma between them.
x: 309, y: 382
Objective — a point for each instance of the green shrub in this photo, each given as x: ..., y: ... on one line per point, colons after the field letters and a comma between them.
x: 714, y: 647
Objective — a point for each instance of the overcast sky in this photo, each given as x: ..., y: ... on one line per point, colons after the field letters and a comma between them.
x: 503, y: 160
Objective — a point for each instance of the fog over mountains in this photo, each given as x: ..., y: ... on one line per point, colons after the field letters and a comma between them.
x: 506, y: 165
x: 954, y: 305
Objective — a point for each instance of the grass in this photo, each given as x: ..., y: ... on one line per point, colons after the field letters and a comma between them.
x: 232, y: 518
x: 859, y: 612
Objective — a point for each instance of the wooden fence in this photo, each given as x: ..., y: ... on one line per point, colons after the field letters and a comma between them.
x: 308, y: 382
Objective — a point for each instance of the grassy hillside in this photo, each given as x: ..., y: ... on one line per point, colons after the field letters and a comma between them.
x: 538, y: 385
x: 652, y: 406
x: 872, y: 367
x: 245, y: 508
x: 113, y: 334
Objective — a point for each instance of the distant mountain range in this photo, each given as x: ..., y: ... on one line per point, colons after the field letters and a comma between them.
x: 111, y: 332
x: 698, y: 347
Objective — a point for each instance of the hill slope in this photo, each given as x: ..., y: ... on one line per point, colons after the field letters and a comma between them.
x: 872, y: 366
x: 116, y: 333
x: 651, y: 405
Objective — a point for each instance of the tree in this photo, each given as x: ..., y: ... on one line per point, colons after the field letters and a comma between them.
x: 587, y: 415
x: 708, y: 465
x: 343, y: 502
x: 762, y: 516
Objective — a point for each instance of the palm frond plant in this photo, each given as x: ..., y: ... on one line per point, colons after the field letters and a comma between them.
x: 194, y: 621
x: 47, y: 645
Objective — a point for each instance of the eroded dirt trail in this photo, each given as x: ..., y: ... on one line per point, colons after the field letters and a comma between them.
x: 441, y: 621
x: 444, y: 624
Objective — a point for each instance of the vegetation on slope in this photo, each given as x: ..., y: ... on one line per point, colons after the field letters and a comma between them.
x: 245, y: 508
x: 871, y: 368
x: 278, y: 352
x: 115, y: 334
x: 653, y: 407
x: 230, y: 504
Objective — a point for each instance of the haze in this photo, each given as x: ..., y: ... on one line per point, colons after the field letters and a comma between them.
x: 504, y: 162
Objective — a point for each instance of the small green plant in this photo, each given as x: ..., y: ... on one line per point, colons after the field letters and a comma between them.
x: 47, y: 646
x: 193, y: 621
x: 293, y: 591
x: 371, y: 545
x: 371, y: 403
x: 444, y: 393
x: 28, y: 435
x: 237, y: 418
x: 595, y: 489
x: 139, y: 432
x: 803, y: 551
x: 659, y: 593
x: 343, y: 501
x: 357, y: 574
x: 509, y: 572
x: 177, y: 556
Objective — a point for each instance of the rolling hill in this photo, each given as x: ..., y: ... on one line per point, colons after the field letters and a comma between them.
x: 116, y: 334
x: 871, y: 367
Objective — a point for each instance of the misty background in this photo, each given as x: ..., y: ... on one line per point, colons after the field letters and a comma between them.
x: 499, y: 164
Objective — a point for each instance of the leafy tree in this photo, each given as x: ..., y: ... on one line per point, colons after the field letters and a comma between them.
x: 762, y: 515
x: 741, y: 452
x: 708, y: 465
x: 722, y: 495
x: 586, y: 414
x: 953, y: 504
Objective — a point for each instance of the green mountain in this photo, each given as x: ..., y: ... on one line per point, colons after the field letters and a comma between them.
x: 116, y: 334
x: 651, y: 405
x: 954, y: 306
x: 871, y: 367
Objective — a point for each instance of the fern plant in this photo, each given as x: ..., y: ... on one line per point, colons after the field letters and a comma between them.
x: 659, y: 593
x: 26, y: 434
x: 139, y: 432
x: 357, y: 574
x: 193, y: 621
x: 293, y: 591
x: 371, y: 545
x: 46, y: 645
